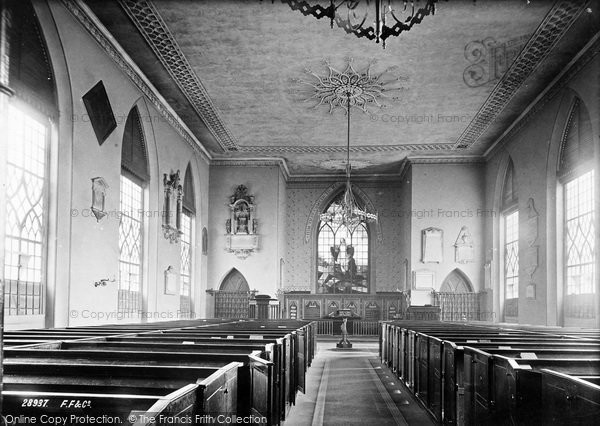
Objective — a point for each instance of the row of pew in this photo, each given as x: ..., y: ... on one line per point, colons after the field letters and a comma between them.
x: 194, y: 372
x: 486, y: 374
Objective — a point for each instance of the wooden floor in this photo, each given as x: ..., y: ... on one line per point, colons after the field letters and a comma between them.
x: 351, y: 387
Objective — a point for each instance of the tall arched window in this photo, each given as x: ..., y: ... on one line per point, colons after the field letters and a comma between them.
x: 134, y: 177
x: 510, y: 223
x: 342, y: 258
x: 577, y: 176
x: 187, y: 244
x: 26, y: 117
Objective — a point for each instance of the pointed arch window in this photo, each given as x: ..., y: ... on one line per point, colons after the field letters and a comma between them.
x: 187, y: 245
x: 134, y: 177
x: 27, y: 77
x: 26, y: 213
x: 577, y: 175
x: 510, y: 218
x: 342, y: 257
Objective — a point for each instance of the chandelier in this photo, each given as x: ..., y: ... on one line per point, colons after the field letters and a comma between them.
x: 374, y: 19
x: 346, y: 211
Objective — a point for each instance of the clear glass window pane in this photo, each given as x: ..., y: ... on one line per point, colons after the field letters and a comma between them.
x: 130, y: 246
x: 26, y: 216
x: 580, y: 243
x: 186, y: 247
x: 511, y: 255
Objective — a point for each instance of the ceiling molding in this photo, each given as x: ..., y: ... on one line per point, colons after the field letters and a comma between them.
x: 253, y: 162
x: 114, y: 50
x: 456, y: 159
x: 560, y: 81
x: 153, y: 28
x: 318, y: 180
x: 317, y: 149
x: 554, y: 25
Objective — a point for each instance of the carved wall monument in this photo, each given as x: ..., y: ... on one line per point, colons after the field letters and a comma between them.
x: 173, y: 205
x: 241, y: 227
x: 99, y: 188
x: 463, y: 247
x: 432, y: 243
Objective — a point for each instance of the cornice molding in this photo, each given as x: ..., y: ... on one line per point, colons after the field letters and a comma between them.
x: 113, y: 49
x: 583, y: 58
x: 253, y: 162
x: 153, y: 28
x: 318, y: 180
x: 464, y: 159
x: 553, y: 27
x: 317, y: 149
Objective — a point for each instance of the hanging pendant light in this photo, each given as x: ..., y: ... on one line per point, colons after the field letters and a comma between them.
x: 346, y: 211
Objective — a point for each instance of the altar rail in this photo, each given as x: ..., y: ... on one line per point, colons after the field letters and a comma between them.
x: 355, y: 328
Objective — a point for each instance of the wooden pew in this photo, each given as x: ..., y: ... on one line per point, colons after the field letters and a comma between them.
x: 449, y: 358
x: 433, y: 366
x: 568, y: 399
x: 285, y: 351
x: 512, y: 387
x: 40, y: 381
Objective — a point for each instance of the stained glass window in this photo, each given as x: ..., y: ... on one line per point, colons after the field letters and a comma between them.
x: 185, y: 294
x: 26, y: 214
x: 511, y: 255
x: 580, y: 250
x: 342, y: 259
x: 130, y: 245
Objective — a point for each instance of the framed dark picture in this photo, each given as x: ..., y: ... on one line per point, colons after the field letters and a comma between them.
x: 100, y: 112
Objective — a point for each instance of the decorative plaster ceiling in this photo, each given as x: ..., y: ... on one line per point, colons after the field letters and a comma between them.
x: 236, y: 73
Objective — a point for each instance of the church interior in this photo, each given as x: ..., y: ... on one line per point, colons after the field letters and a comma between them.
x: 198, y: 198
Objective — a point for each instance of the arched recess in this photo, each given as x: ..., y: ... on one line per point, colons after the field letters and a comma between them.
x: 325, y: 199
x: 496, y: 275
x: 233, y: 298
x: 147, y: 129
x: 189, y: 197
x: 571, y: 104
x: 312, y: 228
x: 456, y: 282
x: 193, y: 181
x: 187, y: 246
x: 343, y: 256
x: 234, y: 282
x: 456, y: 298
x: 42, y: 87
x: 575, y: 230
x: 509, y: 244
x: 153, y: 191
x: 133, y: 249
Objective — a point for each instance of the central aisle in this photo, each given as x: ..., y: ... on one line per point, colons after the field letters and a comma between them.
x: 346, y: 387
